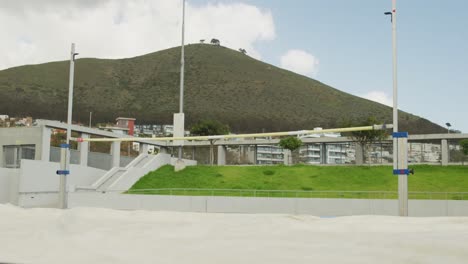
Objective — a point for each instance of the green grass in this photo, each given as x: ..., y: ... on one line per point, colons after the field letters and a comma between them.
x: 305, y: 181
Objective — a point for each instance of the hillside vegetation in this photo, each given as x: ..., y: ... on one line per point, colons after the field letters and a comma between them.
x: 221, y: 84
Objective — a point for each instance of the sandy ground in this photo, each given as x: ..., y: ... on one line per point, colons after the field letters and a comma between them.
x: 90, y: 235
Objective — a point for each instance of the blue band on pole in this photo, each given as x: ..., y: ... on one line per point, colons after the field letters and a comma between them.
x: 63, y: 172
x: 65, y: 145
x: 400, y: 134
x: 401, y: 172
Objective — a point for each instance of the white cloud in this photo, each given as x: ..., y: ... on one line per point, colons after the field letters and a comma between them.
x: 38, y: 33
x: 300, y: 61
x: 379, y: 97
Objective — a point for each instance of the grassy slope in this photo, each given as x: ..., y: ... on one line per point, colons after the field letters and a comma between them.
x: 318, y: 178
x: 221, y: 84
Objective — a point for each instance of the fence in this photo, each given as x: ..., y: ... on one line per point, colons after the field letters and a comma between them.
x: 419, y: 152
x: 301, y: 194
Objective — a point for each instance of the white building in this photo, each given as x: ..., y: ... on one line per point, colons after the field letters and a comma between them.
x: 424, y: 152
x: 319, y: 153
x: 269, y: 154
x: 157, y: 130
x: 322, y: 153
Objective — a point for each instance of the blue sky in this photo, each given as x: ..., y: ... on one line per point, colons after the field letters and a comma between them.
x: 352, y: 41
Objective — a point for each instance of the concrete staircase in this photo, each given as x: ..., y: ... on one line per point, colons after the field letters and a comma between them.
x: 121, y: 179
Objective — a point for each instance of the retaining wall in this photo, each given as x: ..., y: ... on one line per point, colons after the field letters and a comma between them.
x: 311, y: 206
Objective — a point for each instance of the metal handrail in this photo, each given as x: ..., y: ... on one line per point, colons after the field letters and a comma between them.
x: 297, y: 193
x: 259, y: 190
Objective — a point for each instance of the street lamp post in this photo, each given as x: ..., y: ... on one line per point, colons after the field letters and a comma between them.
x: 400, y: 158
x: 179, y: 118
x: 182, y: 72
x: 65, y: 148
x: 182, y: 61
x: 90, y: 118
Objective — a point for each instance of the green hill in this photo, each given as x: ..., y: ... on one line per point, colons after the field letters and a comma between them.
x: 221, y: 84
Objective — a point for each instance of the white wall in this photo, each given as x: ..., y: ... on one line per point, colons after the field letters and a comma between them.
x: 43, y: 200
x: 4, y: 185
x: 317, y: 207
x: 38, y: 182
x: 8, y: 180
x: 40, y: 176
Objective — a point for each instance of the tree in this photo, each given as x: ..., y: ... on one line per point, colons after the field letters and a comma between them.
x: 243, y: 51
x: 290, y: 143
x: 464, y: 147
x: 209, y: 128
x: 215, y: 42
x: 366, y: 138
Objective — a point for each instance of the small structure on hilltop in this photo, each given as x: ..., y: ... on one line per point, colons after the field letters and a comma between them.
x: 215, y: 42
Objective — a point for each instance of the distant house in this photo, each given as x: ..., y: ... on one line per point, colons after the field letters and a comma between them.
x: 27, y: 121
x: 124, y: 126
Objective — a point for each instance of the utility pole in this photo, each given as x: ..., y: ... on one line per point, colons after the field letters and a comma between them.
x: 400, y: 139
x: 65, y: 148
x: 90, y: 118
x: 182, y: 72
x: 182, y: 61
x: 179, y: 118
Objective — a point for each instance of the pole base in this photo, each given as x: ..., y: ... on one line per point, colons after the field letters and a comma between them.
x: 179, y: 165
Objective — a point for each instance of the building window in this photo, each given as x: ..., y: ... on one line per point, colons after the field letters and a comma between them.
x: 12, y: 155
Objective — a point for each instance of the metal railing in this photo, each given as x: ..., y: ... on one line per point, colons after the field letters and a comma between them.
x: 301, y: 194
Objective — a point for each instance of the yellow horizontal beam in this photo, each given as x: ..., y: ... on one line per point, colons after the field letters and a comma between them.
x: 273, y: 134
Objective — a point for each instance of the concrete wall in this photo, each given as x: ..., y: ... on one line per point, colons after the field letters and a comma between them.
x: 8, y: 185
x: 55, y: 153
x: 125, y: 160
x: 4, y: 185
x: 21, y: 136
x: 39, y: 183
x: 186, y: 161
x: 39, y: 176
x: 96, y: 160
x: 318, y: 207
x: 100, y: 160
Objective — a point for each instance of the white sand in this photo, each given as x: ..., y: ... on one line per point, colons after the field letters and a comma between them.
x: 87, y: 235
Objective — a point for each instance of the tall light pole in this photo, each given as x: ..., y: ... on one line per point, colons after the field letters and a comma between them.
x: 90, y: 118
x: 182, y: 72
x: 65, y: 148
x: 179, y: 118
x: 182, y: 62
x: 399, y: 147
